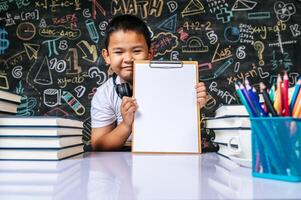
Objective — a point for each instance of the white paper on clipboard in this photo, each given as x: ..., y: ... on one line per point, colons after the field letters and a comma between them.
x: 167, y: 119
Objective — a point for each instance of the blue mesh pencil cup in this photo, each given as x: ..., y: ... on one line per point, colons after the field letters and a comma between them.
x: 276, y: 148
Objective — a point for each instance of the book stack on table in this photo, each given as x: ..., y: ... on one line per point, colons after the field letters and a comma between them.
x: 9, y: 103
x: 230, y: 121
x: 39, y: 138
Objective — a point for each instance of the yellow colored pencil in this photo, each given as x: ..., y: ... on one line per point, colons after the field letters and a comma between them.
x: 276, y: 101
x: 298, y: 112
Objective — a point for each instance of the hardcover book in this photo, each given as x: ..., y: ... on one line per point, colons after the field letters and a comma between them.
x: 8, y: 107
x: 231, y: 110
x: 9, y: 96
x: 223, y: 136
x: 228, y: 123
x: 39, y: 131
x: 39, y: 142
x: 42, y: 121
x: 40, y: 154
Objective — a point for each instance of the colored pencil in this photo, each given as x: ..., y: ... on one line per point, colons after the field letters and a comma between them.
x: 267, y: 100
x: 243, y: 100
x: 285, y: 95
x: 298, y: 112
x: 255, y: 99
x: 296, y: 109
x: 272, y: 92
x: 248, y: 100
x: 278, y: 97
x: 295, y: 94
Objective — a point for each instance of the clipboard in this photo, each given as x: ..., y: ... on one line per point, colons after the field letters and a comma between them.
x: 168, y: 115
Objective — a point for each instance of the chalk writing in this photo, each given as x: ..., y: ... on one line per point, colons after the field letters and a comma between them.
x: 51, y: 50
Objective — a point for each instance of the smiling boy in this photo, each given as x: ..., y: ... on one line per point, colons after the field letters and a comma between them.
x: 127, y: 39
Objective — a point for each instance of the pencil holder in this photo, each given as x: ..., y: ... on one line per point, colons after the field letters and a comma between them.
x: 276, y: 148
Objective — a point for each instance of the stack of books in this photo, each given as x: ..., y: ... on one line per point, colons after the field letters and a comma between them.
x: 229, y: 121
x: 9, y: 103
x: 39, y: 138
x: 40, y: 180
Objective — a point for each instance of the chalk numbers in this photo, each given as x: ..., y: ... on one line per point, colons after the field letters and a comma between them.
x: 197, y: 26
x: 212, y: 37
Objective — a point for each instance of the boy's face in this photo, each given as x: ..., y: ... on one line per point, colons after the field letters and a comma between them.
x: 124, y: 47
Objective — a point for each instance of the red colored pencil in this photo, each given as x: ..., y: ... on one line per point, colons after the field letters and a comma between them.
x: 285, y: 95
x: 279, y: 95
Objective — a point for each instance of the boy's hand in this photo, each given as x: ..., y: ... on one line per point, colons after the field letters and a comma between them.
x: 201, y: 94
x: 128, y: 109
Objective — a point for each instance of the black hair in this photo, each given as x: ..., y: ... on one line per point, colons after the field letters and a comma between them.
x: 126, y: 23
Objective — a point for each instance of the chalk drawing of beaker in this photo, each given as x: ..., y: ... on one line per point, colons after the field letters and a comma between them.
x: 52, y: 97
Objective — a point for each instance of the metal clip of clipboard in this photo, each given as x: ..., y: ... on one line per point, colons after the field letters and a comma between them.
x: 166, y: 64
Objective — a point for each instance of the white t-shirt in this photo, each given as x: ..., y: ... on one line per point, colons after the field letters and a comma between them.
x: 105, y: 105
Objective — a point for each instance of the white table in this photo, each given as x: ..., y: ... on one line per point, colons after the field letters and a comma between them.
x: 123, y: 175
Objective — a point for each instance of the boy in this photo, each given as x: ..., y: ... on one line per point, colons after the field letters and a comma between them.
x: 127, y: 39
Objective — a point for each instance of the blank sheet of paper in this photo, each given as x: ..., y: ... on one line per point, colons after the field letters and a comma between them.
x: 167, y: 119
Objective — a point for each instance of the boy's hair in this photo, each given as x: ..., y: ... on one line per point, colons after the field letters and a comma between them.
x: 127, y: 23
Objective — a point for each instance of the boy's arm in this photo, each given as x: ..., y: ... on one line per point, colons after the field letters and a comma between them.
x: 110, y: 137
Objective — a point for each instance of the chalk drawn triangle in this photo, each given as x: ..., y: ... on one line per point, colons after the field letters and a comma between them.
x: 241, y: 5
x: 194, y: 7
x: 217, y: 57
x: 251, y: 4
x: 32, y: 50
x: 169, y: 24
